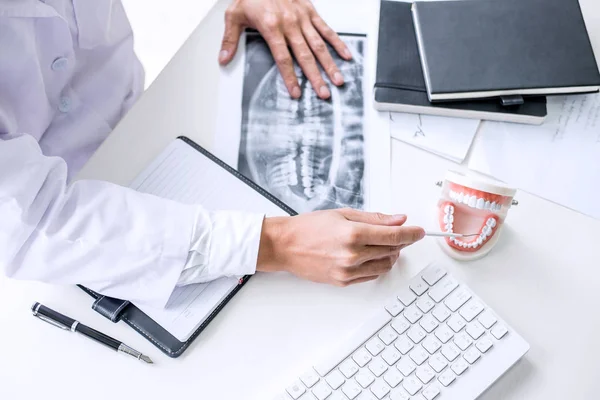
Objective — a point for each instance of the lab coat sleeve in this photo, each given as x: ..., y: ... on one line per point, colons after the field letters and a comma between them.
x: 112, y: 239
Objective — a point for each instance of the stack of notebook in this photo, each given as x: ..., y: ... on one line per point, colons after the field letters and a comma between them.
x: 484, y: 59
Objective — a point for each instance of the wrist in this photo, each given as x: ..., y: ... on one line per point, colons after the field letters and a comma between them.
x: 269, y: 251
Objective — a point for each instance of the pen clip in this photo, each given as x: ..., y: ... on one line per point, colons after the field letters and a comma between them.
x: 35, y: 308
x: 51, y: 322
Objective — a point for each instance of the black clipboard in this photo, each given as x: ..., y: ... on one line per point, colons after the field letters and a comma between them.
x: 117, y: 310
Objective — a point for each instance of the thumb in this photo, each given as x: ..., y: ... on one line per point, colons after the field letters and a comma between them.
x: 231, y: 37
x: 373, y: 218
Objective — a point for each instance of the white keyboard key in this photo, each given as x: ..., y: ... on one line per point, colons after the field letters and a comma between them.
x: 418, y: 397
x: 431, y: 344
x: 310, y: 378
x: 456, y: 322
x: 487, y: 319
x: 348, y: 368
x: 307, y: 396
x: 393, y: 377
x: 457, y: 299
x: 443, y: 288
x: 337, y: 396
x: 438, y: 362
x: 460, y: 366
x: 472, y: 355
x: 425, y: 304
x: 431, y: 392
x: 418, y: 286
x: 428, y: 323
x: 404, y: 344
x: 450, y: 351
x: 296, y: 390
x: 416, y: 334
x: 394, y: 307
x: 462, y: 340
x: 358, y: 337
x: 441, y: 313
x: 321, y: 391
x: 400, y: 324
x: 475, y: 330
x: 399, y: 394
x: 425, y: 373
x: 419, y: 355
x: 484, y: 344
x: 365, y: 396
x: 390, y: 355
x: 361, y: 357
x: 335, y: 379
x: 412, y: 314
x: 406, y: 366
x: 433, y: 274
x: 365, y: 378
x: 470, y: 310
x: 444, y: 333
x: 387, y: 335
x: 447, y: 377
x: 378, y: 367
x: 380, y: 389
x: 351, y: 390
x: 375, y: 346
x: 412, y: 385
x: 406, y: 297
x: 499, y: 331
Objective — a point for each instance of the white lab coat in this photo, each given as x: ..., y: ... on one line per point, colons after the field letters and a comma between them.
x: 68, y: 73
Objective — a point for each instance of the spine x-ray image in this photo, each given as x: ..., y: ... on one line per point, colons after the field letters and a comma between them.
x: 309, y: 153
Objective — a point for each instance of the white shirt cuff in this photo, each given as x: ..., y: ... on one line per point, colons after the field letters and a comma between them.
x: 224, y: 244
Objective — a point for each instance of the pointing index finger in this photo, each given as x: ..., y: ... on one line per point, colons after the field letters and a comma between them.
x: 390, y: 235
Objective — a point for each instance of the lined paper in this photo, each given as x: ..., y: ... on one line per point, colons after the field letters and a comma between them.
x: 183, y: 174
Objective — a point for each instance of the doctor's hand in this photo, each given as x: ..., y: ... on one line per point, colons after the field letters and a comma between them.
x: 283, y: 23
x: 339, y: 247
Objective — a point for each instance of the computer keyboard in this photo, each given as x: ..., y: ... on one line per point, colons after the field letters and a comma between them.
x: 434, y: 340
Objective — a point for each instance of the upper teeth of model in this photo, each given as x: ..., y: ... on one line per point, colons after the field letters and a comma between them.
x: 474, y: 202
x: 486, y: 231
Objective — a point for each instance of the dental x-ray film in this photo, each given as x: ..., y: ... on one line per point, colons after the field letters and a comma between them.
x: 312, y: 154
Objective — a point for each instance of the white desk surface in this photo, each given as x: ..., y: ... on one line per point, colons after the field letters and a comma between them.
x: 542, y: 277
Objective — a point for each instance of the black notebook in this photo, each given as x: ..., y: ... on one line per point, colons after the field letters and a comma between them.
x: 400, y: 85
x: 188, y: 173
x: 489, y: 48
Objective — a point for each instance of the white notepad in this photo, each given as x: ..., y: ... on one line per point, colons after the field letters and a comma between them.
x: 184, y: 174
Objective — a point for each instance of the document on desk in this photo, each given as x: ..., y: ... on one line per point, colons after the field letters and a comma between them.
x: 447, y: 137
x: 183, y: 174
x: 559, y: 160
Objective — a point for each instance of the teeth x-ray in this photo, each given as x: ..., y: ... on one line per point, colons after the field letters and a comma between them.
x: 309, y: 153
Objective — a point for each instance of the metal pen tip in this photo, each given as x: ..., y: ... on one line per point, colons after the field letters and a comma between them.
x: 146, y: 359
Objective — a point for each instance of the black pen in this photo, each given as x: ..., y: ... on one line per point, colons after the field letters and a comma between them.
x: 69, y: 324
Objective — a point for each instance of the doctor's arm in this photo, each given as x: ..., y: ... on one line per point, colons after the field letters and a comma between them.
x: 127, y: 244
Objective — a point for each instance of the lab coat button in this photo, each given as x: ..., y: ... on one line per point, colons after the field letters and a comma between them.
x: 60, y: 64
x: 65, y: 104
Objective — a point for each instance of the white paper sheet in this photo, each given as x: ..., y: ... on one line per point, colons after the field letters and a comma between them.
x: 450, y: 138
x: 559, y: 160
x: 376, y: 188
x: 183, y: 174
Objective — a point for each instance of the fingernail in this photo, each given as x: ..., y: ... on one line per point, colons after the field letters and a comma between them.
x: 223, y: 55
x: 324, y: 92
x: 398, y: 216
x: 338, y: 78
x: 296, y: 92
x: 347, y: 54
x: 421, y: 234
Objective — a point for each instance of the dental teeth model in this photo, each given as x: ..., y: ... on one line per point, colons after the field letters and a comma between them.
x: 469, y: 205
x: 309, y: 153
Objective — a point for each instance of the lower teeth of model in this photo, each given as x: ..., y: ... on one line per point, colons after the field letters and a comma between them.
x: 486, y: 232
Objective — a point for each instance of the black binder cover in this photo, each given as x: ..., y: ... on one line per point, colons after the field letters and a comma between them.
x: 122, y: 310
x: 474, y: 47
x: 400, y: 78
